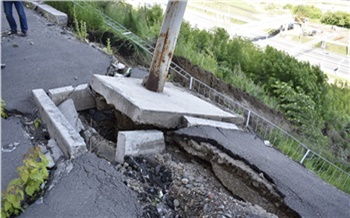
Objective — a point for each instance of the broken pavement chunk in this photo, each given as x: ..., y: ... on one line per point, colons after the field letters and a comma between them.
x: 135, y: 143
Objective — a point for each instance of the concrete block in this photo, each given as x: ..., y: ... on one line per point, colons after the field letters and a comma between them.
x: 68, y: 110
x: 67, y: 138
x: 61, y: 94
x: 31, y: 4
x: 135, y: 143
x: 51, y: 163
x: 52, y: 14
x: 163, y: 110
x: 81, y: 96
x: 56, y: 152
x: 187, y: 121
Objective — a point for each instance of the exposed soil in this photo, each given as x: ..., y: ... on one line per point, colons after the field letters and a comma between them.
x: 234, y: 93
x: 176, y: 184
x: 172, y: 184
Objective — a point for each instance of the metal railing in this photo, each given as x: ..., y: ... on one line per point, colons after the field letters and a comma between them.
x: 271, y: 134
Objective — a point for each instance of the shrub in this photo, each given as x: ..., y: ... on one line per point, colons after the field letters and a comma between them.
x: 31, y: 175
x: 307, y: 11
x: 339, y: 18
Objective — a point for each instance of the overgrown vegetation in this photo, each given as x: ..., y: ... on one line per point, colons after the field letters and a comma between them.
x: 318, y: 111
x: 338, y: 18
x: 31, y: 175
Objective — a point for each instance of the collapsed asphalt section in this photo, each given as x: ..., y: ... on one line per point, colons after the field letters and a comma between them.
x: 262, y: 175
x: 98, y: 192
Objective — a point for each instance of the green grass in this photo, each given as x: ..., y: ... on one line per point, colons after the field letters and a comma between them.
x: 304, y: 39
x: 334, y: 78
x: 293, y: 149
x: 339, y: 49
x: 328, y: 173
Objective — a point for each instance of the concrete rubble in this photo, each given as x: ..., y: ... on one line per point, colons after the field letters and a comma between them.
x: 136, y: 143
x: 188, y: 121
x: 81, y: 96
x: 163, y: 110
x: 68, y: 110
x: 69, y: 140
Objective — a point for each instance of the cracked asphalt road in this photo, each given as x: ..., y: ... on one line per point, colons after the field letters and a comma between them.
x: 93, y: 188
x: 304, y: 191
x: 48, y: 59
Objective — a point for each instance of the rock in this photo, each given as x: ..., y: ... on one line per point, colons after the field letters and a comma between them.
x: 31, y: 43
x: 51, y: 163
x: 43, y: 149
x: 15, y: 45
x: 267, y: 143
x: 228, y: 215
x: 184, y: 181
x: 210, y: 195
x: 40, y: 200
x: 57, y: 154
x: 189, y: 186
x: 136, y: 143
x: 118, y: 167
x: 51, y: 143
x: 16, y: 144
x: 8, y: 148
x: 176, y: 203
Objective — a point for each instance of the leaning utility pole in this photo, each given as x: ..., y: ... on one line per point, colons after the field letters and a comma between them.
x: 165, y: 45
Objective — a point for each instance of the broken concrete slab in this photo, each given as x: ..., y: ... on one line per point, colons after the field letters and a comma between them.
x: 188, y: 121
x: 68, y: 110
x: 67, y: 138
x: 99, y: 145
x: 163, y: 110
x: 81, y: 96
x: 51, y: 13
x: 135, y: 143
x: 61, y: 94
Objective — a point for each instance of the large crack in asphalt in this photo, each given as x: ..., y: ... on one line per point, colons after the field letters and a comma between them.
x: 237, y: 174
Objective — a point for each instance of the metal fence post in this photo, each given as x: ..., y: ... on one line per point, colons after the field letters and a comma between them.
x: 248, y: 118
x: 302, y: 160
x: 191, y: 83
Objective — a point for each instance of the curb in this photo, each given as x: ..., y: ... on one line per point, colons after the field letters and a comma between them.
x: 67, y: 138
x: 49, y: 12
